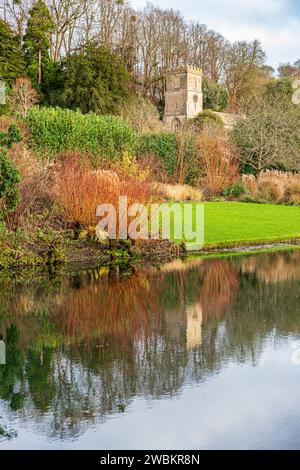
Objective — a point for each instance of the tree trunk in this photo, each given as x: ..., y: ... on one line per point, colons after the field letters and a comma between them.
x: 40, y: 67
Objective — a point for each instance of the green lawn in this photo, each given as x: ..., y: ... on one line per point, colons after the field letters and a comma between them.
x: 230, y: 223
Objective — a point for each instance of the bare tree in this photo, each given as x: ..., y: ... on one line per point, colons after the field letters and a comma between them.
x: 290, y: 70
x: 66, y: 14
x: 269, y: 137
x: 241, y: 58
x: 16, y: 14
x: 217, y: 48
x: 149, y: 40
x: 22, y: 96
x: 198, y: 54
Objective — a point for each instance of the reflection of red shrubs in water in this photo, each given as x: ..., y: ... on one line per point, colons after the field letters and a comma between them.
x: 112, y: 307
x: 220, y: 285
x: 125, y: 308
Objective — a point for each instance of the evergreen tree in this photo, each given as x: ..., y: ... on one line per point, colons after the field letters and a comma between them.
x: 12, y: 63
x: 40, y: 25
x: 215, y: 95
x: 94, y: 79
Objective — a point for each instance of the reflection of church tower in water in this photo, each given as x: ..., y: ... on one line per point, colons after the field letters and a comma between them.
x: 183, y: 97
x: 193, y: 325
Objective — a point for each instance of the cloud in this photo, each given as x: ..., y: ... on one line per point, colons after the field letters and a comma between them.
x: 276, y: 23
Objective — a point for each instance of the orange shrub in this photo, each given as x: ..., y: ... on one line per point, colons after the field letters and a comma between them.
x: 78, y: 190
x: 218, y: 160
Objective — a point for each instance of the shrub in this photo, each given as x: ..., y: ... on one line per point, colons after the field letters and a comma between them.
x: 273, y: 186
x: 179, y: 192
x: 279, y: 89
x: 218, y: 161
x: 250, y: 184
x: 164, y: 146
x: 269, y: 191
x: 3, y: 138
x: 248, y: 199
x: 56, y: 130
x: 177, y: 152
x: 207, y: 117
x: 292, y: 192
x: 79, y: 191
x: 9, y: 179
x: 35, y: 181
x: 141, y: 115
x: 234, y: 191
x: 12, y: 136
x: 154, y: 168
x: 270, y: 187
x: 44, y: 248
x: 215, y: 95
x: 187, y: 170
x: 22, y: 96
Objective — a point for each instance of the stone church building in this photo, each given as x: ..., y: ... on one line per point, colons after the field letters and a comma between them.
x: 183, y: 97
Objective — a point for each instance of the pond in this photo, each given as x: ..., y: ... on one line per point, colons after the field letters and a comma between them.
x: 201, y: 354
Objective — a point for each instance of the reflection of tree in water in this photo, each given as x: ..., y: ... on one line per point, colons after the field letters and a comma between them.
x: 220, y: 286
x: 280, y: 267
x: 86, y: 347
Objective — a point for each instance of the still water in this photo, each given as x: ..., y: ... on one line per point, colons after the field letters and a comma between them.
x: 192, y: 355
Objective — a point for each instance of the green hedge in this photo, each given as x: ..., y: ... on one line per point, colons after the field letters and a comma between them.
x: 56, y: 130
x: 163, y: 146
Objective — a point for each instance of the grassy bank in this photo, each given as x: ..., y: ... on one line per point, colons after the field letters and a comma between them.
x: 229, y: 224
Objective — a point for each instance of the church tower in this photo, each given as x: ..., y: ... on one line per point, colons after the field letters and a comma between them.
x: 183, y: 97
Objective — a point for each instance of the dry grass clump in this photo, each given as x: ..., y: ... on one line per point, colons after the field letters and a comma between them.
x: 179, y: 192
x: 250, y: 184
x: 35, y: 181
x: 273, y: 186
x: 5, y: 122
x: 292, y: 191
x: 269, y: 190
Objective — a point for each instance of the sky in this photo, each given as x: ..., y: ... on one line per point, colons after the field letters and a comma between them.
x: 276, y: 23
